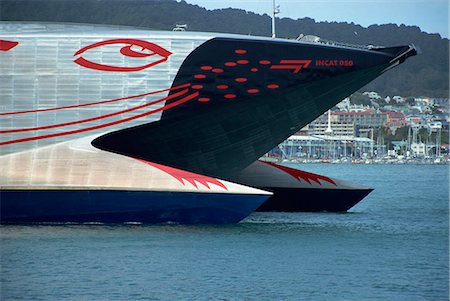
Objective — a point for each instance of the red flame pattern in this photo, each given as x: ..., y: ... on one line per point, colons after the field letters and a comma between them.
x: 302, y: 175
x: 183, y: 176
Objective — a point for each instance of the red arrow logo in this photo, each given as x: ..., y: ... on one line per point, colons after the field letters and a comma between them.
x: 297, y: 65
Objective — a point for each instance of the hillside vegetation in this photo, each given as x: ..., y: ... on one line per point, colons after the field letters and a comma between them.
x: 423, y: 75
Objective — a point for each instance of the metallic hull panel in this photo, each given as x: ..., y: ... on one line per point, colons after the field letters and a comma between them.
x: 50, y: 94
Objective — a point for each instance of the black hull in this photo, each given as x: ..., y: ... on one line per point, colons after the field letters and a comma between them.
x: 271, y: 90
x: 312, y: 199
x: 295, y: 190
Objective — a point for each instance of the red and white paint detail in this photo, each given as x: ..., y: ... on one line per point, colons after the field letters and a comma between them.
x: 132, y: 48
x: 302, y: 175
x: 7, y: 45
x: 108, y: 124
x: 296, y: 65
x: 183, y: 176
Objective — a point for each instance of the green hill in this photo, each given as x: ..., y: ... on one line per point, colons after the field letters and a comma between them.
x: 423, y: 75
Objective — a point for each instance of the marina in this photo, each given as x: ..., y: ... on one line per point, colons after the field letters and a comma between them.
x: 344, y: 149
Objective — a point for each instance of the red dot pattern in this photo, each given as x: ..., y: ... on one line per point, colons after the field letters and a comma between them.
x: 237, y: 79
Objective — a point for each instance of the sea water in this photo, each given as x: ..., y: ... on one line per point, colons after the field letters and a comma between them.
x: 391, y: 246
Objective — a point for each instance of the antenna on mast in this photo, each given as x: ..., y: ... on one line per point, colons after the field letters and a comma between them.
x: 275, y: 11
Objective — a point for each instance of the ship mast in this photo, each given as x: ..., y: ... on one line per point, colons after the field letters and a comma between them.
x: 275, y: 11
x: 329, y: 130
x: 329, y: 133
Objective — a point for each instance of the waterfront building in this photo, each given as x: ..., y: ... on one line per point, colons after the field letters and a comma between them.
x: 326, y: 147
x: 339, y: 128
x: 394, y: 119
x: 414, y: 121
x: 349, y: 123
x: 419, y: 149
x: 369, y: 118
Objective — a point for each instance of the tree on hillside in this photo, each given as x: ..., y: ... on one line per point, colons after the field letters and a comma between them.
x: 360, y: 99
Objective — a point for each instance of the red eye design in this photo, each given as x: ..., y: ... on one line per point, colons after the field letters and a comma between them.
x: 136, y: 49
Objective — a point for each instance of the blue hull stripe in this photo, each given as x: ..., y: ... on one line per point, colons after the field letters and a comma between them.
x: 106, y: 206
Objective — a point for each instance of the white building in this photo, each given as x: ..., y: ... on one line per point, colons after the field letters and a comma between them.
x: 424, y: 101
x: 358, y: 108
x: 372, y: 95
x: 398, y: 99
x: 434, y: 125
x: 344, y: 105
x: 418, y: 149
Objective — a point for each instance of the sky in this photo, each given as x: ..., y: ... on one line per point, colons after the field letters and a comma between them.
x: 430, y: 15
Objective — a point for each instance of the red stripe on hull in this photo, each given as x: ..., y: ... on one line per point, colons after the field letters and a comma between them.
x: 166, y: 107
